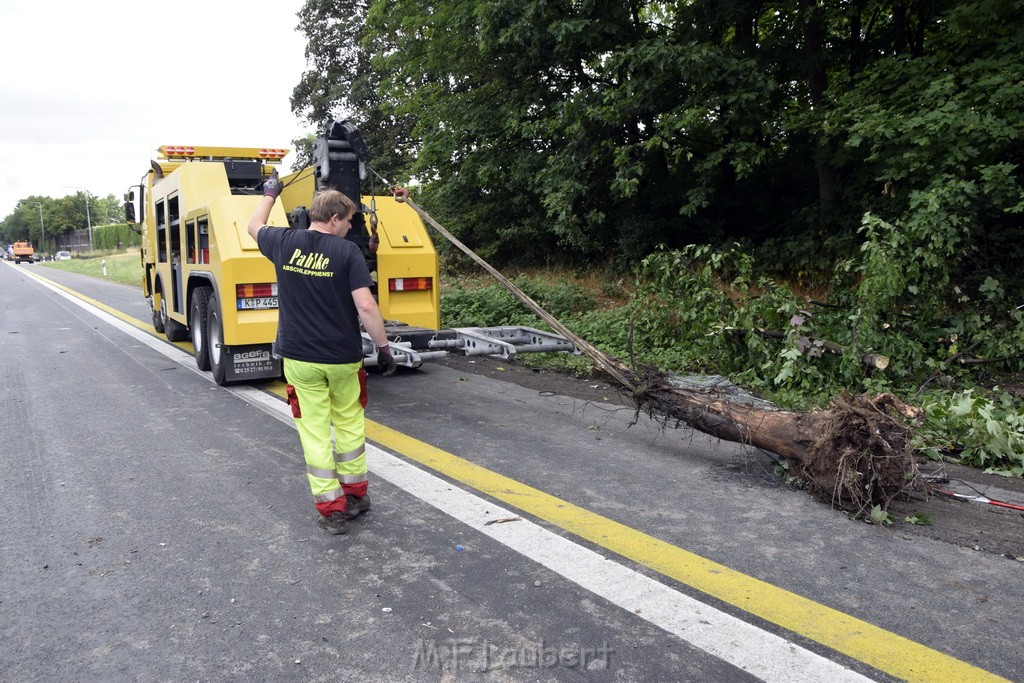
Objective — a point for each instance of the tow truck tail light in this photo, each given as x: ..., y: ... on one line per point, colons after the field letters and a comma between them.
x: 256, y: 297
x: 410, y: 284
x: 252, y: 291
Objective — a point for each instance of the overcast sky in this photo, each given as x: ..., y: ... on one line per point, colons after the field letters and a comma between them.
x: 89, y: 90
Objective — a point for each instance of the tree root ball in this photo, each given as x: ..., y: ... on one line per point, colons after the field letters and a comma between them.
x: 863, y: 456
x: 856, y: 454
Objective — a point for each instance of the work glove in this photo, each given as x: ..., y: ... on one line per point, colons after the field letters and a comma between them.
x: 385, y: 361
x: 272, y: 186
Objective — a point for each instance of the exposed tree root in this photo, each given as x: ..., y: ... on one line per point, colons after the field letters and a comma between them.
x: 855, y: 454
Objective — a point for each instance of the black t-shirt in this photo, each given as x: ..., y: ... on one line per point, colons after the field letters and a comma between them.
x: 316, y: 275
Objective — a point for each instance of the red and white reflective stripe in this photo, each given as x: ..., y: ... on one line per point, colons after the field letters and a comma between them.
x: 220, y: 153
x: 180, y: 150
x: 263, y: 289
x: 984, y: 500
x: 410, y: 284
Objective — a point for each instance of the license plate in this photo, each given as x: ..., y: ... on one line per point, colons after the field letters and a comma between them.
x: 258, y: 302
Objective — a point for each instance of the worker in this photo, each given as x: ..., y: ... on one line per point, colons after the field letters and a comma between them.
x: 323, y: 288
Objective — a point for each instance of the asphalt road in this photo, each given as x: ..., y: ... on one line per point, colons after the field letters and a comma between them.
x: 158, y: 526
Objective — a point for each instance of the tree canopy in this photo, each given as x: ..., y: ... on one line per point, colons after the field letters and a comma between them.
x: 59, y: 216
x: 592, y: 129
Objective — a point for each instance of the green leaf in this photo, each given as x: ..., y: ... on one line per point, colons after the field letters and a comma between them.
x: 880, y: 516
x: 919, y: 518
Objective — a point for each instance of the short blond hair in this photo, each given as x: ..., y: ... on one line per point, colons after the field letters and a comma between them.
x: 328, y: 203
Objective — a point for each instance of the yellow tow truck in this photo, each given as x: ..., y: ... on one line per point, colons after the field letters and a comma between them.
x: 205, y: 278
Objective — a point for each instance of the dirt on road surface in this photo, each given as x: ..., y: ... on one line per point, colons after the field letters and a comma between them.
x: 980, y: 526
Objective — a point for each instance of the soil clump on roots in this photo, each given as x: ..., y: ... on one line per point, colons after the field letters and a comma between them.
x: 856, y: 454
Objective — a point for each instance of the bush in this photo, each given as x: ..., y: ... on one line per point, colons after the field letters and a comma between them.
x: 115, y: 236
x: 981, y: 431
x: 493, y: 305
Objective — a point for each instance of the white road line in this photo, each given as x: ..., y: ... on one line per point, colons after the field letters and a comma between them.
x: 747, y: 647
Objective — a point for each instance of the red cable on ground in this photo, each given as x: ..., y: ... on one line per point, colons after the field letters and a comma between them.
x: 1006, y: 505
x: 984, y: 500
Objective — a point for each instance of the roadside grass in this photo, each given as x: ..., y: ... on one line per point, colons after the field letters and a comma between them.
x: 123, y: 268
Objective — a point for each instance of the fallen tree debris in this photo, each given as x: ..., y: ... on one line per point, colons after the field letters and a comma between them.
x: 874, y: 361
x: 503, y: 520
x: 855, y: 455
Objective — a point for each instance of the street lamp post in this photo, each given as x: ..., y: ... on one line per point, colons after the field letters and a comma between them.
x: 88, y: 219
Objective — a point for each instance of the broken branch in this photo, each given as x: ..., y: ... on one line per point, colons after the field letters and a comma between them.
x: 875, y: 361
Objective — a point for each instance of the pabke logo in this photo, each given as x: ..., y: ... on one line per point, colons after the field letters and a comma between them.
x: 308, y: 261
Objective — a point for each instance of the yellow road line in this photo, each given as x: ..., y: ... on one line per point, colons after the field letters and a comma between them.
x: 886, y: 651
x: 123, y: 317
x: 134, y: 322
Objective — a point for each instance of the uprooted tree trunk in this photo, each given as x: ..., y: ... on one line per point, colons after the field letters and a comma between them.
x: 856, y: 454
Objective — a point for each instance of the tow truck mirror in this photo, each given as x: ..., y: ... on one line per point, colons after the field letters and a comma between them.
x: 129, y: 212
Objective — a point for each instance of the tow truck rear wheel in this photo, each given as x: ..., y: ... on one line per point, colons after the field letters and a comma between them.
x: 215, y: 340
x: 154, y: 307
x: 174, y: 330
x: 199, y: 329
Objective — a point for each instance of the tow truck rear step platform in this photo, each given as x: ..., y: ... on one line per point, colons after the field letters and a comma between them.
x: 412, y: 346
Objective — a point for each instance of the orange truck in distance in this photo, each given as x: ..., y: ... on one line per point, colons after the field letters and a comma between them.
x: 23, y: 251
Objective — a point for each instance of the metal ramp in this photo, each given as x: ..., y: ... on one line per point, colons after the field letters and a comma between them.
x: 413, y: 346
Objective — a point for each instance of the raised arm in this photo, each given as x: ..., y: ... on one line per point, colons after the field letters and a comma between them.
x: 271, y: 189
x: 260, y: 215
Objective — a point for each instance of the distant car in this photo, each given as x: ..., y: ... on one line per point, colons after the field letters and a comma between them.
x: 62, y: 256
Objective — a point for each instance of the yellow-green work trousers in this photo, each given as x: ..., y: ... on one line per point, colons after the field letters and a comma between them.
x: 324, y: 395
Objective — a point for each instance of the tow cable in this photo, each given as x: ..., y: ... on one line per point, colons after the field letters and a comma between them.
x: 401, y: 195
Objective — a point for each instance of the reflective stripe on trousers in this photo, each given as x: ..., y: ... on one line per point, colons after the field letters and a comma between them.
x: 329, y: 395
